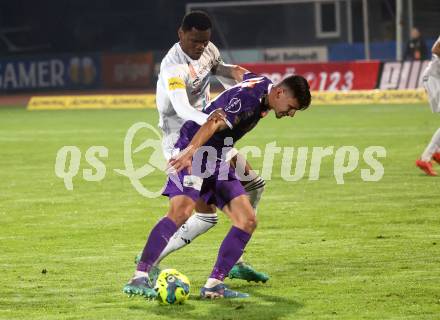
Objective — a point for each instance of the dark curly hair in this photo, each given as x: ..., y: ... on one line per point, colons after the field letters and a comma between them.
x: 196, y: 19
x: 300, y: 88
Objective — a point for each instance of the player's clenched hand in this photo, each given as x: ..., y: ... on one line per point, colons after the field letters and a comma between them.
x: 216, y: 115
x: 181, y: 161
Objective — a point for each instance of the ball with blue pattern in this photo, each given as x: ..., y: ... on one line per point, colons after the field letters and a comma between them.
x: 172, y: 287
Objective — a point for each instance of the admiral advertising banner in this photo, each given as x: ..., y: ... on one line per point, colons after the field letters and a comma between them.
x: 331, y: 76
x: 369, y: 97
x: 132, y: 101
x: 50, y: 73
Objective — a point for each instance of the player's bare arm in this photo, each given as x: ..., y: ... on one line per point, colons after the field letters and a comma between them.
x: 230, y: 71
x: 218, y: 114
x: 183, y: 159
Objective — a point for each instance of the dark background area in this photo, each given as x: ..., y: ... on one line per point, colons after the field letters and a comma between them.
x: 84, y: 25
x: 55, y: 26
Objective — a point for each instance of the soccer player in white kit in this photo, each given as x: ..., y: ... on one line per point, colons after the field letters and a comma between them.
x: 431, y: 82
x: 182, y: 92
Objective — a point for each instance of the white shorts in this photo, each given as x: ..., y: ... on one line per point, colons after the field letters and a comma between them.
x: 432, y: 86
x: 168, y: 148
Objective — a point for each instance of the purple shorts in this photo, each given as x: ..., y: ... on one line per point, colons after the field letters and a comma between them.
x: 215, y: 189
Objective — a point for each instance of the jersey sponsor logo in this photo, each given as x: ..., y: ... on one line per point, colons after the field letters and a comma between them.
x: 196, y: 82
x: 193, y: 74
x: 234, y: 106
x: 175, y: 83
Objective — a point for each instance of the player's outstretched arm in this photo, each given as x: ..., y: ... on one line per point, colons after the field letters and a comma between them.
x: 229, y: 75
x: 230, y: 71
x: 213, y: 125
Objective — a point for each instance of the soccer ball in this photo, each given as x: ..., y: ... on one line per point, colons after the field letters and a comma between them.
x: 172, y: 287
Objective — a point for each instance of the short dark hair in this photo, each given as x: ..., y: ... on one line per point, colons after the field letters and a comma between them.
x: 196, y: 19
x: 300, y: 88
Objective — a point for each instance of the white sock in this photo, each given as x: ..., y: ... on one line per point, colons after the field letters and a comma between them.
x: 212, y: 282
x: 140, y: 274
x: 197, y: 224
x: 432, y: 147
x: 254, y: 190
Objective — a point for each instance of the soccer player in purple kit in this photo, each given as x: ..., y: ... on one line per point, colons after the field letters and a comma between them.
x: 183, y: 90
x: 241, y: 107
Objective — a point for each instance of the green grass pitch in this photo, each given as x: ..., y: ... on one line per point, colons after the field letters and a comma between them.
x: 361, y: 250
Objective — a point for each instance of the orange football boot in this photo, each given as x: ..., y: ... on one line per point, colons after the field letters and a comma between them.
x: 426, y: 166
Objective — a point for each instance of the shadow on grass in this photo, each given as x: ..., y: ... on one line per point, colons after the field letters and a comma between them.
x: 259, y: 306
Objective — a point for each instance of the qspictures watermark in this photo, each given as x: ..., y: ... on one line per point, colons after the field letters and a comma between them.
x: 294, y: 161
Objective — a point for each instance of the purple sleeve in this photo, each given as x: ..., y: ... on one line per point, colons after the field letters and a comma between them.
x: 249, y: 75
x: 262, y: 80
x: 239, y: 104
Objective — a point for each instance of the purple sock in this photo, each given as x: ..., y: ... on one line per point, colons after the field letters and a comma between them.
x: 157, y: 241
x: 230, y: 251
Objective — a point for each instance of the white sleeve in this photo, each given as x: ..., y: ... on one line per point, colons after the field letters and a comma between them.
x: 215, y: 55
x: 174, y: 81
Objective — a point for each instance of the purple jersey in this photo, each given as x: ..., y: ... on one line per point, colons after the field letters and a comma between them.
x: 243, y: 107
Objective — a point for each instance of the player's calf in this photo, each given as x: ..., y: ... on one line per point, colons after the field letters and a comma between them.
x: 242, y: 214
x: 181, y: 208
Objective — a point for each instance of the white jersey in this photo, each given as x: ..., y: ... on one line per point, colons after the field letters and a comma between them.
x: 433, y: 68
x: 183, y: 91
x: 431, y: 82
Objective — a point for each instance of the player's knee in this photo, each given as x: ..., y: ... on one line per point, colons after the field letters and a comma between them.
x: 180, y: 210
x: 253, y: 223
x: 203, y: 207
x: 250, y: 224
x: 179, y: 216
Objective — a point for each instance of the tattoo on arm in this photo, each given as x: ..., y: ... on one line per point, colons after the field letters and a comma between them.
x: 230, y: 71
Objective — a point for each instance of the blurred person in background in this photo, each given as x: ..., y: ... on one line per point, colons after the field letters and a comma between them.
x: 431, y: 82
x: 416, y: 48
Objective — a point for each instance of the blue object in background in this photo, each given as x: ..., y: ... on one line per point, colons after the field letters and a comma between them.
x: 58, y: 72
x: 384, y: 51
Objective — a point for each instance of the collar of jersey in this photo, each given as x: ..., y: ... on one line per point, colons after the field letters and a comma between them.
x: 185, y: 55
x: 265, y: 112
x: 269, y: 87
